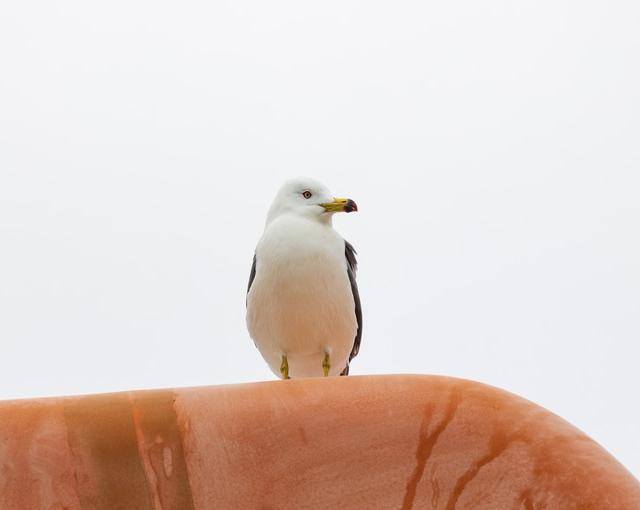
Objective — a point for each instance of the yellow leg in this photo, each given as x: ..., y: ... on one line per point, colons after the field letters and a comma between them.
x: 284, y: 367
x: 326, y: 364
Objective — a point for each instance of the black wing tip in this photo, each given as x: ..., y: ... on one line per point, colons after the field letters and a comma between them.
x: 350, y: 253
x: 352, y: 265
x: 252, y: 275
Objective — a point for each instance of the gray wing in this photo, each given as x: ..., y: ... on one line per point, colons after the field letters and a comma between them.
x: 252, y: 275
x: 352, y: 267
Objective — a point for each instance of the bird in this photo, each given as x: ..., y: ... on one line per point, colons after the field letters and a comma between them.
x: 303, y: 308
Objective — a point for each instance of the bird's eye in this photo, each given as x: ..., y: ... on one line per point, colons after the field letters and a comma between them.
x: 307, y: 194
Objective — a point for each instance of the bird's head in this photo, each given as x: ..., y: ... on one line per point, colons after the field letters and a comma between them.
x: 309, y: 198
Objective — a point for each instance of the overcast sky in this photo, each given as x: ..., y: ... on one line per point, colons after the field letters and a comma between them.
x: 492, y: 147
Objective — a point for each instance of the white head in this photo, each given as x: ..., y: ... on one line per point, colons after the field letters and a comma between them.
x: 309, y: 198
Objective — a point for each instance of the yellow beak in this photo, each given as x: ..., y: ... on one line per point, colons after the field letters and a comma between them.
x: 340, y: 205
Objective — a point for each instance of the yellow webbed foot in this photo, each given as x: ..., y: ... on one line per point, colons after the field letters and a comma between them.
x: 284, y: 367
x: 326, y: 364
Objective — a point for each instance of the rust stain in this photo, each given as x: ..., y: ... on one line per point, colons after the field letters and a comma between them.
x: 103, y: 443
x: 36, y: 468
x: 168, y: 461
x: 497, y: 445
x: 303, y: 436
x: 526, y: 500
x: 160, y: 448
x: 426, y: 443
x: 435, y: 492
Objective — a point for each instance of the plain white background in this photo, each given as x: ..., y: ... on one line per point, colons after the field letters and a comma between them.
x: 493, y: 149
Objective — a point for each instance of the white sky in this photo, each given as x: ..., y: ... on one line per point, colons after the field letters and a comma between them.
x: 493, y: 150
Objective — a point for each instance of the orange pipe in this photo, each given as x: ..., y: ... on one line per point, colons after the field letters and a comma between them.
x: 388, y: 442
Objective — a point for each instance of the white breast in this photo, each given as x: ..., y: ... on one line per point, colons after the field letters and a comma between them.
x: 300, y: 303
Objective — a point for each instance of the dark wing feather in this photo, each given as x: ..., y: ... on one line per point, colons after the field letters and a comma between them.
x: 352, y: 267
x: 252, y: 275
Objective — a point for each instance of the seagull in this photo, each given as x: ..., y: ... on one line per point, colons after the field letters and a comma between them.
x: 303, y: 306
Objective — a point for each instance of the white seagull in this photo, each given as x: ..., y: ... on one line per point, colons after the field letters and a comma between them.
x: 303, y: 307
